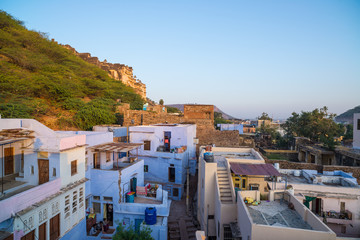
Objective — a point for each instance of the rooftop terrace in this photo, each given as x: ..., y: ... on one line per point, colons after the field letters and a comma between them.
x: 277, y: 213
x: 327, y: 178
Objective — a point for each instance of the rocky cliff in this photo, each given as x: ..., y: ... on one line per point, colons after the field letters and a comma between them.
x: 116, y: 71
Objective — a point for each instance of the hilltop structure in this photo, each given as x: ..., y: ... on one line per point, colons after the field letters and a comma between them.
x: 117, y: 71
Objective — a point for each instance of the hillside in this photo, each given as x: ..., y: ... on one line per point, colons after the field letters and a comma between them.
x: 216, y: 109
x: 348, y: 116
x: 41, y: 79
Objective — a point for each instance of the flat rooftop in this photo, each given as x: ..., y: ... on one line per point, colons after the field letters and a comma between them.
x: 312, y: 177
x: 277, y: 213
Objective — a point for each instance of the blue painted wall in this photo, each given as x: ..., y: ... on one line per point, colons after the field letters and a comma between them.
x: 77, y: 233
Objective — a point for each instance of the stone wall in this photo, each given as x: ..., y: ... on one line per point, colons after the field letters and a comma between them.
x: 195, y: 114
x: 116, y: 71
x: 290, y: 155
x: 196, y: 111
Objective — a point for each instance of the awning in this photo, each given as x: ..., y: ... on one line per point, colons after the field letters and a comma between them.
x: 8, y: 136
x: 254, y: 169
x: 115, y: 147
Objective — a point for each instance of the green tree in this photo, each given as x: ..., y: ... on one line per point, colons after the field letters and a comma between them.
x: 161, y: 102
x: 264, y: 116
x: 129, y: 233
x: 317, y: 125
x: 349, y: 132
x: 218, y: 119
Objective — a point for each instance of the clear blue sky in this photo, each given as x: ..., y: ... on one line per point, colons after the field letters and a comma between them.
x: 246, y: 57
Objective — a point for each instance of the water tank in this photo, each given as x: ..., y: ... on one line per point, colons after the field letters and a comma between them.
x: 130, y: 196
x: 209, y: 157
x: 150, y: 216
x: 297, y: 173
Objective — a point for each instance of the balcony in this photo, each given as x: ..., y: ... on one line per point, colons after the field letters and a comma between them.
x: 24, y: 197
x: 337, y: 217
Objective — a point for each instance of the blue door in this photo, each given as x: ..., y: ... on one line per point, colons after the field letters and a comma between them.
x: 137, y: 224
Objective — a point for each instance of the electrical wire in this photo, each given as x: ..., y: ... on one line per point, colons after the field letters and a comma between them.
x: 17, y: 215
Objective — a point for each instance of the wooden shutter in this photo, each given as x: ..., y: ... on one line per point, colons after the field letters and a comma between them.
x: 9, y: 160
x: 43, y: 166
x: 55, y: 227
x: 73, y: 167
x: 42, y: 231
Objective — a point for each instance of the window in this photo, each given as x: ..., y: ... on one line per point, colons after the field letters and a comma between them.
x: 86, y: 163
x: 96, y: 207
x: 32, y: 170
x: 146, y: 168
x: 81, y: 197
x: 87, y: 203
x: 67, y: 206
x: 108, y: 156
x: 175, y: 192
x: 342, y: 207
x: 358, y: 124
x: 210, y: 216
x: 243, y: 185
x: 73, y: 167
x: 343, y: 229
x: 54, y: 172
x: 236, y: 185
x: 108, y: 199
x: 147, y: 145
x: 96, y: 198
x: 74, y: 204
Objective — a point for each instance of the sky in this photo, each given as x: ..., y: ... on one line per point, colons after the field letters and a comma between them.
x: 245, y: 57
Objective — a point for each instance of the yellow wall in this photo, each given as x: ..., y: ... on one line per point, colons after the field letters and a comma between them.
x: 249, y: 180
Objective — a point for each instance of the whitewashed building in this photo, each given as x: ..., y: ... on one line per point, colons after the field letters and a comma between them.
x: 168, y: 150
x: 42, y: 182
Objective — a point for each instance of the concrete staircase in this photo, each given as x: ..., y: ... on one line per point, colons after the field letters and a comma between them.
x: 224, y: 185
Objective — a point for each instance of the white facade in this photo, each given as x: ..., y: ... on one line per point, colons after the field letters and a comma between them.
x: 32, y: 197
x: 356, y: 132
x: 168, y: 150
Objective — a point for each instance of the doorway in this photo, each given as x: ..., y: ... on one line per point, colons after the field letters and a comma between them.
x: 167, y: 141
x: 96, y: 160
x: 109, y: 213
x: 133, y: 184
x: 137, y: 225
x: 316, y: 206
x: 171, y: 174
x: 43, y: 166
x: 9, y: 160
x: 42, y: 231
x: 55, y: 227
x: 29, y: 236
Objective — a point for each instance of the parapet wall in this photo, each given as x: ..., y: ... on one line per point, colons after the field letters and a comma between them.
x: 120, y: 72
